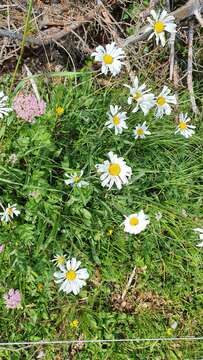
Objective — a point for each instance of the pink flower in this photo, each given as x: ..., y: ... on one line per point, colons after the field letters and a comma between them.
x: 1, y: 248
x: 12, y: 299
x: 27, y: 107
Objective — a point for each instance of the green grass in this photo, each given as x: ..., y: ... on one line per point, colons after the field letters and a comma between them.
x: 167, y: 177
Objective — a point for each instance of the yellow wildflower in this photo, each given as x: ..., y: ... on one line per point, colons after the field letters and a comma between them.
x: 59, y: 110
x: 74, y: 324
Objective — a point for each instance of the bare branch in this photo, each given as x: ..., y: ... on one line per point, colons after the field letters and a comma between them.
x: 172, y: 55
x: 45, y: 38
x: 129, y: 283
x: 189, y: 72
x: 198, y: 17
x: 192, y: 7
x: 176, y: 77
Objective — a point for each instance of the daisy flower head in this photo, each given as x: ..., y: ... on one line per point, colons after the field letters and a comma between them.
x: 200, y: 231
x: 75, y: 180
x: 160, y: 23
x: 4, y: 110
x: 141, y: 131
x: 183, y: 127
x: 142, y: 96
x: 71, y: 278
x: 135, y: 223
x: 114, y: 171
x: 116, y: 119
x: 163, y: 101
x: 8, y: 213
x: 12, y: 299
x: 59, y: 259
x: 110, y: 58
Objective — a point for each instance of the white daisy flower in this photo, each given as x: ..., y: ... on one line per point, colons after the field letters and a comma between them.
x: 114, y: 171
x: 110, y: 58
x: 141, y: 131
x: 4, y: 110
x: 116, y: 119
x: 142, y: 96
x: 59, y: 259
x: 200, y: 231
x: 183, y: 127
x: 75, y: 180
x: 160, y: 23
x: 163, y: 101
x: 71, y: 278
x: 135, y: 223
x: 8, y: 213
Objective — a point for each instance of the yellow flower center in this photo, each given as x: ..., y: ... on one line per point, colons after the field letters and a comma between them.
x: 10, y: 211
x: 60, y: 260
x: 140, y: 131
x: 71, y: 275
x: 108, y: 59
x: 59, y: 110
x: 116, y: 120
x: 114, y: 169
x: 159, y: 26
x: 137, y: 95
x: 76, y: 179
x: 182, y: 125
x: 161, y: 101
x: 134, y: 221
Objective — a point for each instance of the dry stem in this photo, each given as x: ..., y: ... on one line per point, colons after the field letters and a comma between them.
x: 192, y: 7
x: 129, y: 283
x: 198, y: 17
x: 172, y: 55
x: 189, y: 72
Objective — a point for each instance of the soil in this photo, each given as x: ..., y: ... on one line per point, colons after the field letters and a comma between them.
x: 49, y: 17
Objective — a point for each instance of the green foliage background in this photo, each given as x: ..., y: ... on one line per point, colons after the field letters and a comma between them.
x: 167, y: 177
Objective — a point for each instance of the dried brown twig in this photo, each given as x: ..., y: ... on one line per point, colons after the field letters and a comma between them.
x: 172, y: 55
x: 132, y: 275
x: 198, y: 17
x: 44, y: 38
x: 192, y: 7
x: 189, y: 72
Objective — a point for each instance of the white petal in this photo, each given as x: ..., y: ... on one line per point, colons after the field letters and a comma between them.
x: 162, y: 39
x: 82, y: 274
x: 75, y: 287
x: 198, y: 230
x: 200, y: 244
x: 59, y: 275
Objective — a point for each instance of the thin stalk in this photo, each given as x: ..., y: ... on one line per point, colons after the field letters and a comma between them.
x: 23, y: 43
